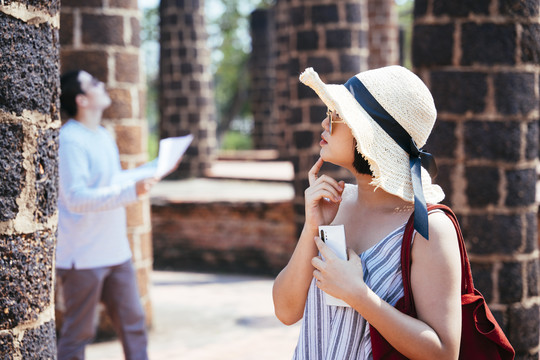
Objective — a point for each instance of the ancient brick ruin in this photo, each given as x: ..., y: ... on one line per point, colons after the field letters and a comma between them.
x: 186, y: 96
x: 103, y: 38
x: 481, y: 61
x: 29, y: 123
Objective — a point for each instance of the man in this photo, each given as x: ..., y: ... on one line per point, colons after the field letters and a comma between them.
x: 93, y: 257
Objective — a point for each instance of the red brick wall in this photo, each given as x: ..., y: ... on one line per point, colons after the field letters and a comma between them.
x: 223, y: 236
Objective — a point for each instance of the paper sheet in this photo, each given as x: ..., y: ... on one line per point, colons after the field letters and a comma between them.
x: 171, y: 151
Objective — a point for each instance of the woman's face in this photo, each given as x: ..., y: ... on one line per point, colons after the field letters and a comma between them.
x: 338, y: 147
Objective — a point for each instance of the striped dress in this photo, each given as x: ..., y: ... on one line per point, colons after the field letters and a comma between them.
x: 341, y: 333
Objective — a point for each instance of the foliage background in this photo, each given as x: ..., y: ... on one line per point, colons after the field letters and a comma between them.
x: 230, y: 44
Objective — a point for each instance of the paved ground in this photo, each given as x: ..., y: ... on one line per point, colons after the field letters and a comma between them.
x: 210, y: 317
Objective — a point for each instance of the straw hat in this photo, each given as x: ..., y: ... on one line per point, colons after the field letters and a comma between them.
x: 407, y: 100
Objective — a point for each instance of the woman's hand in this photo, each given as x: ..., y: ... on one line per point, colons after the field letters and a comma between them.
x: 337, y: 277
x: 322, y: 197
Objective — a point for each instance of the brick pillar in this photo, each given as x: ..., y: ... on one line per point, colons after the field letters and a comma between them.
x: 331, y: 37
x: 263, y: 79
x: 481, y: 60
x: 283, y: 20
x: 186, y: 94
x: 29, y: 123
x: 383, y: 33
x: 102, y: 37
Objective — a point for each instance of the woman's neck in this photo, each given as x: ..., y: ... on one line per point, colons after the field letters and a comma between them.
x: 376, y: 199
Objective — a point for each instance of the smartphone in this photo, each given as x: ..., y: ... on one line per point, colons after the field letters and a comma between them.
x: 334, y: 237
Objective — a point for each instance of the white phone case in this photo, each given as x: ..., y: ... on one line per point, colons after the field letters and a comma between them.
x: 334, y: 237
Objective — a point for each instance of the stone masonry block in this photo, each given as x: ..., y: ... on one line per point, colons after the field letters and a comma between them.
x: 317, y: 113
x: 87, y: 3
x: 6, y: 346
x: 66, y: 24
x: 46, y: 172
x: 294, y: 66
x: 492, y: 234
x: 37, y: 341
x: 26, y: 266
x: 530, y: 39
x: 321, y: 64
x: 324, y: 14
x: 532, y: 232
x: 303, y: 139
x: 12, y: 173
x: 307, y: 40
x: 433, y: 44
x: 514, y: 93
x: 420, y: 8
x: 521, y: 187
x: 127, y: 67
x: 523, y: 333
x: 125, y: 4
x: 488, y: 44
x: 29, y: 67
x: 338, y: 39
x: 129, y: 139
x: 135, y: 214
x: 444, y: 180
x: 297, y: 15
x: 482, y: 186
x: 135, y: 32
x: 94, y: 62
x: 350, y: 63
x: 532, y: 138
x: 102, y: 29
x: 305, y: 92
x: 460, y: 8
x: 519, y: 8
x: 533, y: 272
x: 50, y: 6
x: 511, y: 283
x: 482, y: 279
x: 442, y: 141
x: 492, y: 140
x: 458, y: 92
x: 121, y: 106
x: 354, y: 13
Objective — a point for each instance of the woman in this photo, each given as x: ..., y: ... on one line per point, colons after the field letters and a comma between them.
x: 373, y: 125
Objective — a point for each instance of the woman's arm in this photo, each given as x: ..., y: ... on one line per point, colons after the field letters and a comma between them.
x: 436, y: 285
x: 292, y: 284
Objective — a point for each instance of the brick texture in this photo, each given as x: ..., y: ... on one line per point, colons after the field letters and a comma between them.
x: 29, y: 121
x: 186, y: 93
x: 253, y: 237
x: 106, y: 44
x: 480, y: 60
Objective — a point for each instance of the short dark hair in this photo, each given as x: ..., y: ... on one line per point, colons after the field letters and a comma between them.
x: 71, y: 87
x: 360, y: 164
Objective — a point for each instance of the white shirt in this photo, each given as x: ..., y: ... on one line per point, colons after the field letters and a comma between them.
x: 91, y: 218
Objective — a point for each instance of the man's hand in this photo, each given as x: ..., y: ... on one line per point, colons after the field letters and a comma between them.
x: 143, y: 186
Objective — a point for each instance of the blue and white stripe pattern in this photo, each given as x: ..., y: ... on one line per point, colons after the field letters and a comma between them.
x: 334, y: 332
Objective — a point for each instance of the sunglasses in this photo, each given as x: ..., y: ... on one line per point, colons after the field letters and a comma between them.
x: 333, y: 116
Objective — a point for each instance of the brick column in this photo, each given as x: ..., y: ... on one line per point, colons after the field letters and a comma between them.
x: 383, y: 33
x: 481, y: 60
x: 102, y: 37
x: 29, y: 123
x: 332, y: 38
x: 283, y: 20
x: 263, y: 79
x: 186, y: 95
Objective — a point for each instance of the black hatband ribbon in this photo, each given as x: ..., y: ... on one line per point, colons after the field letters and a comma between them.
x: 417, y: 157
